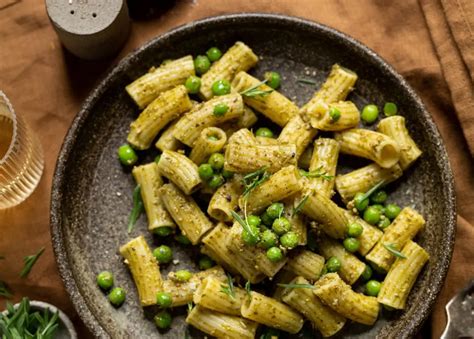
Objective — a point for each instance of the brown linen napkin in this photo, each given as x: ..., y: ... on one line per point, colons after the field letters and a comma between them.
x: 451, y: 26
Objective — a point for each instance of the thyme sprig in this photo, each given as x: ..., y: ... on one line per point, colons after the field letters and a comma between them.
x: 297, y: 286
x: 136, y: 210
x: 392, y: 249
x: 29, y: 262
x: 229, y: 288
x: 254, y: 91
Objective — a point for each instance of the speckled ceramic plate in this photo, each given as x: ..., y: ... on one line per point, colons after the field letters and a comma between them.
x: 92, y: 193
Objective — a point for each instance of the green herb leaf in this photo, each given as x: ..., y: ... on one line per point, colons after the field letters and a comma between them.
x: 5, y: 292
x: 244, y: 224
x: 254, y: 91
x: 317, y: 173
x: 297, y: 286
x: 306, y: 81
x: 391, y: 248
x: 229, y: 288
x: 190, y: 307
x: 300, y: 205
x: 372, y: 190
x: 136, y: 210
x: 248, y: 288
x: 29, y: 263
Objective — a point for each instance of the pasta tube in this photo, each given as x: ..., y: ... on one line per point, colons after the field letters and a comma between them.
x: 190, y: 126
x: 167, y: 141
x: 351, y: 267
x: 212, y: 294
x: 363, y: 179
x: 144, y: 268
x: 243, y: 158
x: 211, y: 140
x: 221, y: 325
x: 327, y: 213
x: 336, y: 87
x: 370, y: 234
x: 402, y: 275
x: 275, y: 106
x: 266, y: 141
x: 306, y: 264
x: 324, y: 160
x: 179, y: 169
x: 147, y: 88
x: 341, y: 298
x: 248, y: 119
x: 281, y: 185
x: 243, y: 136
x: 164, y: 109
x: 270, y: 312
x: 149, y: 179
x: 283, y: 277
x: 183, y: 292
x: 215, y: 246
x: 322, y: 116
x: 297, y: 132
x: 305, y: 158
x: 192, y: 222
x: 225, y: 200
x: 396, y: 129
x: 370, y: 145
x: 307, y: 303
x: 237, y: 58
x: 403, y: 228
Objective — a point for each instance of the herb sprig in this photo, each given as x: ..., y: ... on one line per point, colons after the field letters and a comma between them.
x: 300, y: 205
x: 30, y: 261
x: 297, y: 286
x: 136, y: 210
x: 306, y: 81
x: 372, y: 190
x: 391, y: 248
x: 254, y: 91
x: 248, y: 288
x: 317, y: 173
x: 5, y: 292
x: 229, y: 287
x: 244, y: 224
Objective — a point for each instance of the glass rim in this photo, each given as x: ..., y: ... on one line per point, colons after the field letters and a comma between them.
x: 5, y: 101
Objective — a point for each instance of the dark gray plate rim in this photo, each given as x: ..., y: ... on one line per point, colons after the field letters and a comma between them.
x: 59, y: 247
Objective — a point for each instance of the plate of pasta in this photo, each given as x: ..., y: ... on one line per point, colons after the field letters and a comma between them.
x: 253, y: 176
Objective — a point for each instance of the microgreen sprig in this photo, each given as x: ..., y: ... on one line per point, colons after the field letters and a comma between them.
x: 136, y: 210
x: 29, y: 263
x: 254, y: 91
x: 391, y: 248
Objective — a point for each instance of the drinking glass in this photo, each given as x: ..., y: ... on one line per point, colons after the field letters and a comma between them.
x: 21, y: 157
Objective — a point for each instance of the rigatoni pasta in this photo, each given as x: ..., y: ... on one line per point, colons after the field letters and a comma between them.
x: 167, y: 141
x: 211, y: 140
x: 335, y: 116
x: 179, y: 169
x: 324, y: 160
x: 306, y: 264
x: 297, y: 132
x: 212, y: 294
x: 225, y: 200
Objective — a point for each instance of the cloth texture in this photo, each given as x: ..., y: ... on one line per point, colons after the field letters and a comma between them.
x: 430, y: 42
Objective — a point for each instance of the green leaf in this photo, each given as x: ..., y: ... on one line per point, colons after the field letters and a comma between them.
x: 306, y: 81
x: 254, y: 91
x: 392, y: 249
x: 317, y: 173
x: 300, y: 205
x: 297, y: 286
x: 229, y: 288
x: 29, y: 263
x: 136, y: 210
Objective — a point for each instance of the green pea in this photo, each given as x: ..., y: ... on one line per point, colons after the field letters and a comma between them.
x: 372, y: 288
x: 248, y: 239
x: 273, y: 79
x: 216, y: 181
x: 268, y: 239
x: 182, y: 239
x: 227, y: 174
x: 354, y: 230
x: 264, y: 132
x: 274, y: 254
x: 392, y: 210
x: 183, y: 275
x: 380, y: 208
x: 379, y: 197
x: 369, y: 114
x: 334, y: 114
x: 117, y: 296
x: 390, y: 109
x: 163, y: 231
x: 275, y: 210
x: 193, y: 84
x: 201, y: 64
x: 127, y: 155
x: 214, y: 54
x: 205, y: 171
x: 372, y: 215
x: 220, y: 110
x: 163, y: 254
x: 333, y: 264
x: 164, y: 299
x: 205, y: 263
x: 216, y: 160
x: 157, y: 158
x: 163, y: 320
x: 289, y: 240
x: 266, y: 220
x: 384, y: 223
x: 281, y: 225
x: 105, y: 280
x: 221, y: 87
x: 351, y: 244
x: 360, y: 202
x: 367, y: 274
x: 254, y: 221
